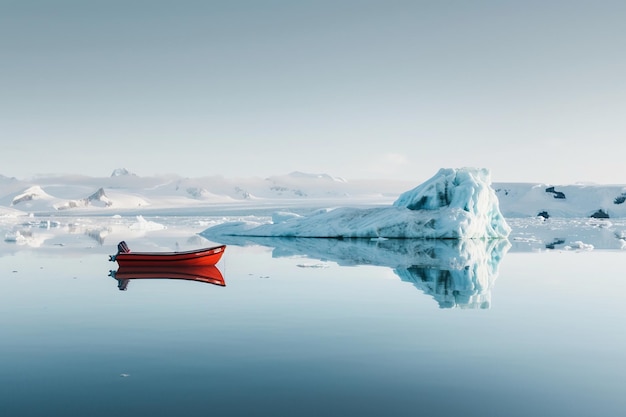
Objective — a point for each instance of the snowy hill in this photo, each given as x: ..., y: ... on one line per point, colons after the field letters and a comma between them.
x: 126, y: 191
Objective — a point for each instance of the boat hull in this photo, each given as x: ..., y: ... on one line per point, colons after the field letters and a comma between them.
x: 200, y: 257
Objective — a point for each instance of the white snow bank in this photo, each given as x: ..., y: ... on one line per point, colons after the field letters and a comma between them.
x: 9, y: 212
x: 453, y: 204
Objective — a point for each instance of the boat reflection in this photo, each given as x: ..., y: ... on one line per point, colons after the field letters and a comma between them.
x: 456, y: 273
x: 207, y: 274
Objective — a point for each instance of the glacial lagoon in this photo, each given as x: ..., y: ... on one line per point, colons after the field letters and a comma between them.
x: 528, y: 326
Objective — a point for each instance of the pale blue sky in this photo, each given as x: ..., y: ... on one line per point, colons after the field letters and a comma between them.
x: 533, y: 90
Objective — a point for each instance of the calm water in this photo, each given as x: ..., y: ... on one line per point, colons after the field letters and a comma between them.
x: 506, y: 333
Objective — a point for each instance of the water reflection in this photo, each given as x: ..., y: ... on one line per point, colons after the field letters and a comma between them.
x: 461, y: 274
x: 456, y: 273
x: 206, y: 274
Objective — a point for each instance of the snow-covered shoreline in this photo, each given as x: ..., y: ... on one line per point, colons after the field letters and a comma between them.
x: 128, y: 194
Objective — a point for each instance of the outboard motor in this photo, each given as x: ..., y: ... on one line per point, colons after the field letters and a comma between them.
x: 122, y: 247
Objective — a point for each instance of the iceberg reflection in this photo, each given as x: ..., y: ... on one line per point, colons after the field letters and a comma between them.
x: 206, y: 274
x: 456, y: 273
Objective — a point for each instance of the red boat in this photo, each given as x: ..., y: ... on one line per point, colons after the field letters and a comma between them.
x: 197, y: 257
x: 207, y: 274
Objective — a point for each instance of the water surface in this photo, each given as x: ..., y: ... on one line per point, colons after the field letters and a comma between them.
x: 474, y: 331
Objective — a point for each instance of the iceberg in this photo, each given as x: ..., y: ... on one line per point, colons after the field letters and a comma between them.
x: 453, y: 204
